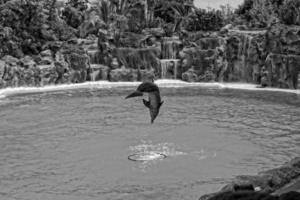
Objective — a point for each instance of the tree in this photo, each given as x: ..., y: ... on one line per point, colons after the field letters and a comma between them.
x: 262, y: 13
x: 290, y: 12
x: 74, y: 12
x: 227, y: 13
x: 31, y: 24
x: 27, y: 22
x: 204, y: 20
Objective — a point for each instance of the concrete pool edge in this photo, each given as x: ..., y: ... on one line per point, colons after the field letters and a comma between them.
x: 275, y: 181
x: 164, y: 83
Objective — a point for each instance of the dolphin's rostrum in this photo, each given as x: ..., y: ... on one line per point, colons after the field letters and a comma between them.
x: 154, y: 102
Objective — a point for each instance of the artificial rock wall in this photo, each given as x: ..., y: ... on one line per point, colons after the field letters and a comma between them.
x: 225, y: 56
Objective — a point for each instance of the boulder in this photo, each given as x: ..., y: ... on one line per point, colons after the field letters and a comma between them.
x: 242, y: 195
x: 226, y: 28
x: 147, y: 75
x: 48, y: 74
x: 209, y: 42
x: 190, y: 76
x: 62, y: 68
x: 252, y: 195
x: 208, y: 76
x: 45, y: 60
x: 2, y: 72
x: 2, y: 68
x: 46, y: 53
x: 201, y: 60
x: 27, y: 62
x: 123, y: 74
x: 265, y: 182
x: 10, y: 60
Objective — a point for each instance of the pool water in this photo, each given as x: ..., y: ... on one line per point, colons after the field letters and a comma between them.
x: 74, y: 144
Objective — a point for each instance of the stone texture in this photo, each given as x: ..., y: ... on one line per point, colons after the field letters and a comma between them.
x: 209, y: 42
x: 190, y: 76
x: 284, y: 70
x: 251, y: 195
x: 266, y: 182
x: 10, y: 60
x: 48, y: 74
x: 123, y: 74
x: 2, y: 71
x: 270, y: 58
x: 283, y: 39
x: 46, y: 53
x: 245, y: 56
x: 147, y: 75
x: 79, y: 64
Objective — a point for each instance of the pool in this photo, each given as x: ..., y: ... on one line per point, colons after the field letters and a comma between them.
x: 74, y: 142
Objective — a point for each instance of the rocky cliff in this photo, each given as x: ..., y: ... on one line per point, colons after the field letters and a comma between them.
x: 269, y: 57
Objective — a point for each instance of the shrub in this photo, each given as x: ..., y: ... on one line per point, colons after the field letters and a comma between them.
x: 290, y: 12
x: 205, y: 20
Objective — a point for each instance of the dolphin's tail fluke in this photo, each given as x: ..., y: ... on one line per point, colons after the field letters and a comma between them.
x: 134, y: 94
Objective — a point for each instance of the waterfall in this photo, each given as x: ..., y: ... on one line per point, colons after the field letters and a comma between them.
x: 169, y: 68
x: 169, y: 63
x: 244, y: 53
x: 164, y: 66
x: 170, y: 47
x: 298, y: 85
x: 94, y: 56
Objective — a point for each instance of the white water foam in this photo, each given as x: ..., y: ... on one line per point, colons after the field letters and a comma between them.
x: 164, y: 83
x: 168, y: 149
x: 150, y: 154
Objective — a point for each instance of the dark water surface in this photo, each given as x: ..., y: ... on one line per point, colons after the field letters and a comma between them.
x: 74, y: 145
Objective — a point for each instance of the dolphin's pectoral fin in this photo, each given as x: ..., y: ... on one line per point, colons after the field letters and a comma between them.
x: 134, y: 94
x: 146, y: 103
x: 161, y: 103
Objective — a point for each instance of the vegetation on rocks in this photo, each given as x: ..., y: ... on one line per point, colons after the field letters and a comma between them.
x: 257, y: 42
x: 260, y: 14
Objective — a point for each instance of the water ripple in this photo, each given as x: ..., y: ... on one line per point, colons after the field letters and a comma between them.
x: 74, y: 144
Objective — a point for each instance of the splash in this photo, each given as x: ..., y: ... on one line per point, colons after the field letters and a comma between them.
x: 150, y: 154
x: 168, y: 149
x: 146, y: 156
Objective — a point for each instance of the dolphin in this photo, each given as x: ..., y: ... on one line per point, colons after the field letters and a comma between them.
x: 154, y: 102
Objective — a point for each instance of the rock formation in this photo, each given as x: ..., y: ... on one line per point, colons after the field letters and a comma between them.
x: 263, y: 184
x: 268, y: 57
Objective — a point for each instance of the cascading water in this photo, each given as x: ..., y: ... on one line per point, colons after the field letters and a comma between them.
x: 170, y: 47
x: 169, y: 63
x: 169, y: 68
x: 94, y: 56
x: 244, y: 52
x: 298, y: 80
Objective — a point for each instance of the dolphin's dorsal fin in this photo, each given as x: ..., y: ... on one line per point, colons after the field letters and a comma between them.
x: 146, y: 103
x: 161, y: 103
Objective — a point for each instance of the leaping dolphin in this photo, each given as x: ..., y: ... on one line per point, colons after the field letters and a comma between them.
x: 154, y: 102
